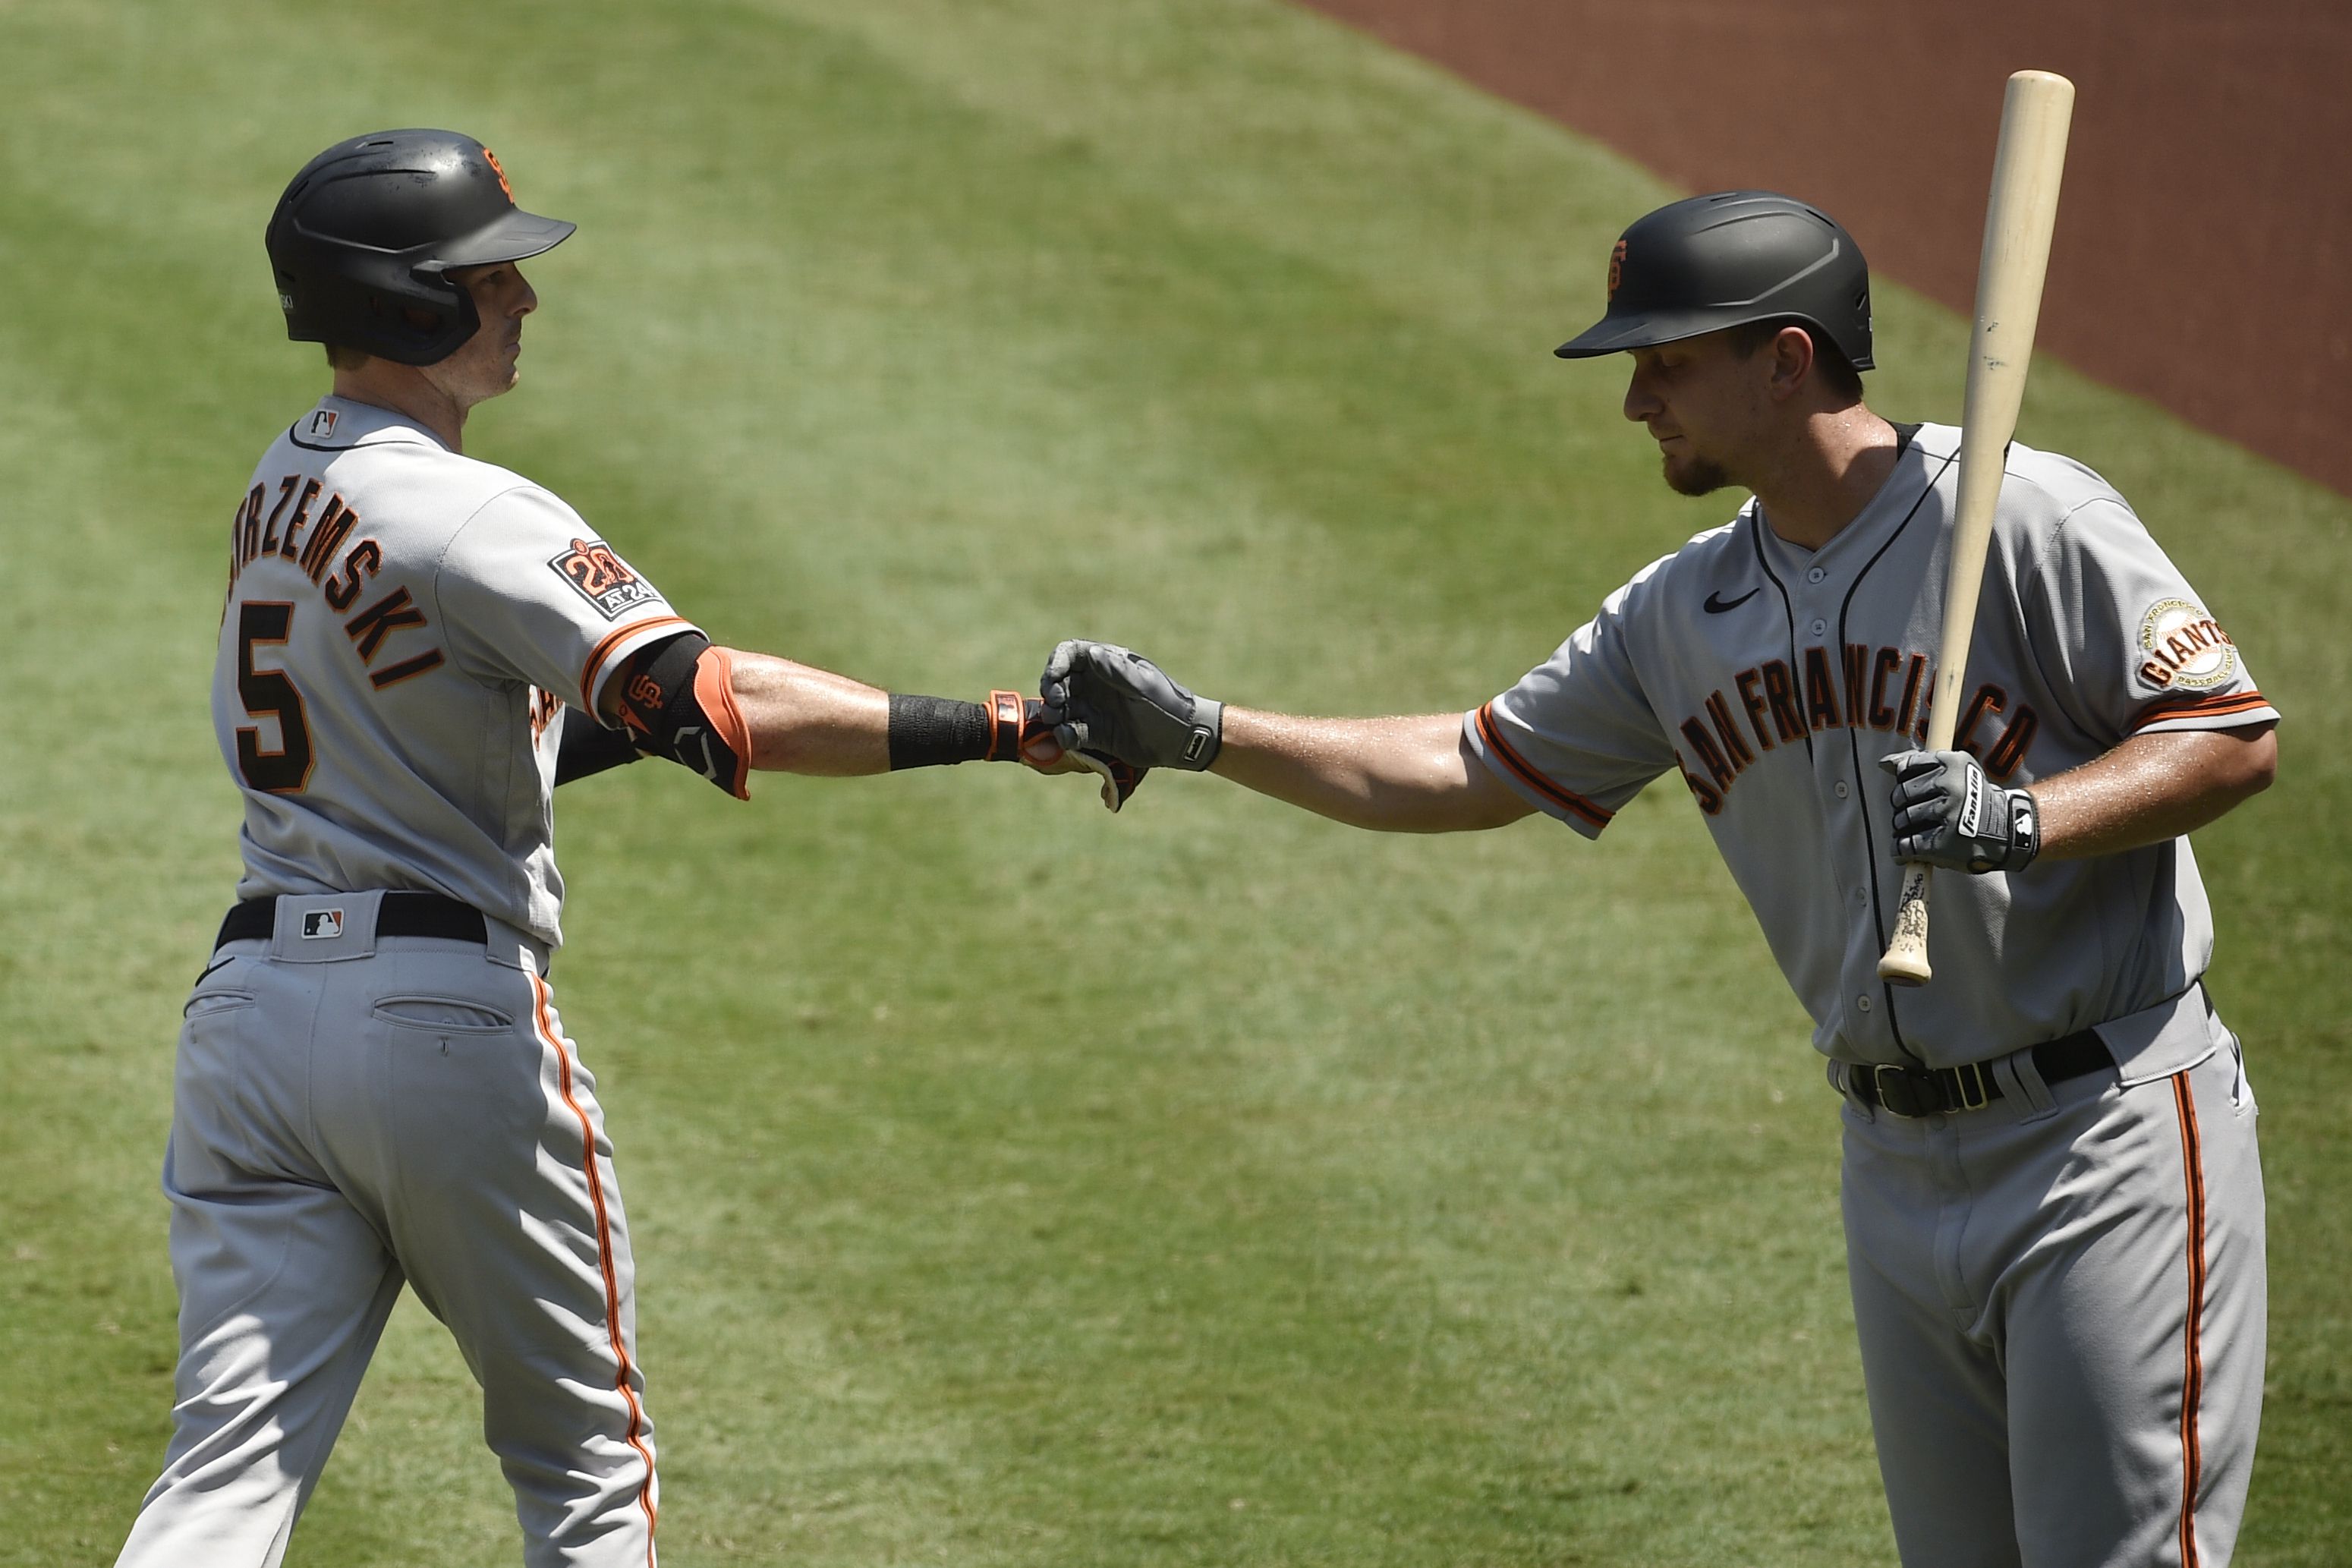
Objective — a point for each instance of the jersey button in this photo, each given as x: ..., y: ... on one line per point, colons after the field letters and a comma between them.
x: 1815, y: 576
x: 1862, y: 1002
x: 1842, y: 791
x: 1820, y: 626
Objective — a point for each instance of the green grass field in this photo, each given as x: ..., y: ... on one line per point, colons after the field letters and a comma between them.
x: 1010, y: 1183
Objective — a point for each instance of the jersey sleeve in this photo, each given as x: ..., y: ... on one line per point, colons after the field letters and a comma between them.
x: 1577, y: 737
x: 530, y: 593
x: 2124, y: 639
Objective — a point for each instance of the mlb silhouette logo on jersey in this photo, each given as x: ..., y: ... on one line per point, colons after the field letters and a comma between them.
x: 322, y: 424
x: 320, y: 925
x: 602, y: 578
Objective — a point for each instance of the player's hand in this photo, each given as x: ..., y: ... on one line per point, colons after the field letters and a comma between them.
x: 1104, y: 697
x: 1948, y: 814
x: 1035, y: 745
x: 1120, y: 780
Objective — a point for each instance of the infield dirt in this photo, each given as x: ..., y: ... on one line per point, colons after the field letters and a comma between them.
x: 2204, y: 243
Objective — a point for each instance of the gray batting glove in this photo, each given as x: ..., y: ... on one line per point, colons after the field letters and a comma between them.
x: 1104, y: 697
x: 1947, y: 812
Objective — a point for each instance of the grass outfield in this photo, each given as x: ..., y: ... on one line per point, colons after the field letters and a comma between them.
x: 1011, y: 1185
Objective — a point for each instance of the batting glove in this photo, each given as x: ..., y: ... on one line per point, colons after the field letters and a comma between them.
x: 1101, y: 696
x: 1948, y: 814
x: 1020, y: 729
x: 1120, y: 780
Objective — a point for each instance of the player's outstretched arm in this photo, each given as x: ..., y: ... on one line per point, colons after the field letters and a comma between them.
x: 803, y: 719
x: 725, y: 712
x: 1411, y: 774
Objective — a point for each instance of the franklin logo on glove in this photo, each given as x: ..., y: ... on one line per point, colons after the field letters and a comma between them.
x: 1947, y: 814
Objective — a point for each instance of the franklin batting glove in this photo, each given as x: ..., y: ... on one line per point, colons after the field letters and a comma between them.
x: 1105, y: 697
x: 1948, y: 814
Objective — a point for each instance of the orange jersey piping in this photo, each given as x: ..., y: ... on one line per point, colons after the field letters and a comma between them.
x: 542, y: 994
x: 2193, y: 1384
x: 1567, y: 800
x: 603, y: 651
x: 2200, y: 707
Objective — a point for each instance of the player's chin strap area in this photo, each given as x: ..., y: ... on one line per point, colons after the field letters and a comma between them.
x: 681, y: 705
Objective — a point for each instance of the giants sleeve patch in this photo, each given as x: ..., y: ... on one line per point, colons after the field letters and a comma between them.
x: 602, y: 578
x: 2182, y: 649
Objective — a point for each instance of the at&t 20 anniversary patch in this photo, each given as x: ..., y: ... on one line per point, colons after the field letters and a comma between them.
x: 602, y: 578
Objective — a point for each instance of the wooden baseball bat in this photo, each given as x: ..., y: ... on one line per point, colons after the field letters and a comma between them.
x: 2019, y: 217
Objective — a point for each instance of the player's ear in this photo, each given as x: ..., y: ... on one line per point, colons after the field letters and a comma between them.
x: 1792, y: 360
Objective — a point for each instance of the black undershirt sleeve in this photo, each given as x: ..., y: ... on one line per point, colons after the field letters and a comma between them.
x: 583, y: 747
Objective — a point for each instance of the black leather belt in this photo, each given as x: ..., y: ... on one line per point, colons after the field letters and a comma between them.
x: 400, y: 914
x: 1940, y: 1091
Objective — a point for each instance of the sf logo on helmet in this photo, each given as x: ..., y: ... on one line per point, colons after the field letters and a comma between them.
x: 499, y: 170
x: 1616, y: 268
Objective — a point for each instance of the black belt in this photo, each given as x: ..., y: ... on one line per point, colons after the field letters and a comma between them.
x: 1940, y: 1091
x: 400, y: 914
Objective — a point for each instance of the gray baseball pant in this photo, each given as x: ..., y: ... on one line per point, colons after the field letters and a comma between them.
x: 352, y: 1114
x: 2061, y: 1302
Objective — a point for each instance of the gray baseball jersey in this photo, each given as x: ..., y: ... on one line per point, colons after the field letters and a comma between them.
x: 2059, y: 1296
x: 404, y: 625
x: 1774, y: 678
x: 363, y: 1103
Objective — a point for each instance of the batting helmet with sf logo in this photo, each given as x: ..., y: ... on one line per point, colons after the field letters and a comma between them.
x: 1723, y: 260
x: 363, y: 238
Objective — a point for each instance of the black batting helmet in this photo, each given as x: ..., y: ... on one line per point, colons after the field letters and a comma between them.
x: 368, y: 231
x: 1710, y: 262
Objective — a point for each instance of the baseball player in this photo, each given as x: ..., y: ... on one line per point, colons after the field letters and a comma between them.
x: 2052, y: 1202
x: 373, y: 1085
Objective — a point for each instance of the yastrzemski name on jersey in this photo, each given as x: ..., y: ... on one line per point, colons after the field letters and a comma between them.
x: 1772, y: 679
x: 402, y: 625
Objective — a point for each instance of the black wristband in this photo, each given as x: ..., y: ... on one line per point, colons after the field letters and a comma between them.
x: 936, y: 731
x: 2024, y: 830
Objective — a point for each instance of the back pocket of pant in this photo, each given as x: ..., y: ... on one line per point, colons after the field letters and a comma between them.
x: 442, y: 1015
x: 204, y: 1004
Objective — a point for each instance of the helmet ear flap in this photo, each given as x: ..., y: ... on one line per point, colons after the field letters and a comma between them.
x: 446, y: 306
x: 425, y: 327
x: 408, y: 316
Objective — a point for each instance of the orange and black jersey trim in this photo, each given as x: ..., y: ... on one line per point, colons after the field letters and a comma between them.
x: 602, y: 652
x: 2218, y: 705
x: 1568, y: 800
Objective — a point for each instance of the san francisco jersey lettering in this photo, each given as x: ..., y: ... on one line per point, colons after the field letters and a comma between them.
x: 1772, y: 679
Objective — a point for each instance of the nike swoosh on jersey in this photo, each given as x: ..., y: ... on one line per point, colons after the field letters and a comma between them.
x: 1715, y: 604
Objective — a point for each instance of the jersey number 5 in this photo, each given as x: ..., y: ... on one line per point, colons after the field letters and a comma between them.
x: 268, y: 693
